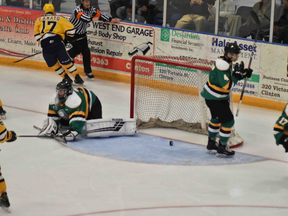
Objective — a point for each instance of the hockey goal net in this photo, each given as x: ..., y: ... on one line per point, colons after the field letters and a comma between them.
x: 165, y: 92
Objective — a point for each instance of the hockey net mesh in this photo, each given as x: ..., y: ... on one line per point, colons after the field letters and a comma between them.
x: 165, y: 92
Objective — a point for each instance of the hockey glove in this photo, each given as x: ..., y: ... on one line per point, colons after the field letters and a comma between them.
x: 239, y: 71
x: 13, y: 136
x: 49, y: 128
x: 248, y: 72
x: 284, y: 141
x: 69, y: 135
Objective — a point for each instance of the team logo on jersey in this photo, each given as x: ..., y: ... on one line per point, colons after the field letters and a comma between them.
x: 63, y: 114
x: 226, y: 78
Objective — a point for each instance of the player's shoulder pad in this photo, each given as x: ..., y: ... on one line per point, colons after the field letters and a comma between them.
x: 286, y: 109
x: 73, y: 100
x: 53, y: 99
x: 221, y: 64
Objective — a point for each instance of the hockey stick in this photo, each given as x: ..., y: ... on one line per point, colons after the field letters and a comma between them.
x: 256, y: 19
x: 36, y: 127
x: 61, y: 139
x: 41, y: 52
x: 27, y: 57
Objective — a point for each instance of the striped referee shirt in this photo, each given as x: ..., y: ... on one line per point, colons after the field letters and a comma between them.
x: 81, y: 17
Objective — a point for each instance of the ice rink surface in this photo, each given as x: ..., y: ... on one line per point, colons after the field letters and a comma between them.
x: 47, y: 178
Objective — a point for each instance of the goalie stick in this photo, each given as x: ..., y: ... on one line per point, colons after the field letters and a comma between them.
x: 256, y: 19
x: 78, y: 39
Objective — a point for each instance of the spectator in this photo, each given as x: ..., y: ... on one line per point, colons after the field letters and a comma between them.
x: 149, y: 11
x: 226, y: 9
x: 198, y: 14
x: 125, y: 13
x: 115, y: 4
x: 263, y: 10
x: 281, y: 27
x: 175, y: 10
x: 20, y: 3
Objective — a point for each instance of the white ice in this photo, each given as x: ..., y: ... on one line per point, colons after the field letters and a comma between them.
x: 45, y: 178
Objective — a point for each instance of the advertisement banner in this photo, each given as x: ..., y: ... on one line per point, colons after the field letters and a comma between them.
x: 17, y: 31
x: 274, y: 73
x: 113, y: 46
x: 208, y: 48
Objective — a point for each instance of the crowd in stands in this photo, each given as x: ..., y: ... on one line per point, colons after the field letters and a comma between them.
x: 198, y: 15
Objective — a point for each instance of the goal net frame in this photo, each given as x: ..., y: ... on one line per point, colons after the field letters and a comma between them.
x: 199, y: 65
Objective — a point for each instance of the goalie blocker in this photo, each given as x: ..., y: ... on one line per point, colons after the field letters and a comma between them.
x: 110, y: 127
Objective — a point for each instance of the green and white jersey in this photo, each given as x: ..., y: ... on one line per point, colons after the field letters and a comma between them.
x: 75, y: 109
x: 281, y: 125
x: 220, y: 80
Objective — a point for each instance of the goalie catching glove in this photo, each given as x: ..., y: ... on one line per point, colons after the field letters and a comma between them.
x: 240, y: 72
x: 49, y: 128
x: 69, y: 135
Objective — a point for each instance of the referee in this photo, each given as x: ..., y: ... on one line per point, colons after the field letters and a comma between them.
x: 81, y: 16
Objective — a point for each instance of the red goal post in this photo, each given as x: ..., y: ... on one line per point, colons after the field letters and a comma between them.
x: 165, y: 92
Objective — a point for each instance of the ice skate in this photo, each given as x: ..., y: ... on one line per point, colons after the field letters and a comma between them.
x: 224, y: 151
x: 90, y: 76
x: 67, y: 78
x: 4, y: 201
x: 78, y: 80
x: 212, y: 146
x: 2, y: 113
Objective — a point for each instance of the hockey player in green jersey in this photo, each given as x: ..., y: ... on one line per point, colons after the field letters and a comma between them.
x: 78, y: 111
x: 216, y: 92
x: 281, y: 129
x: 72, y: 108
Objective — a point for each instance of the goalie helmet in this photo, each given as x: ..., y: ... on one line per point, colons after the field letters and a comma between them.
x: 232, y: 48
x: 67, y: 89
x: 48, y: 8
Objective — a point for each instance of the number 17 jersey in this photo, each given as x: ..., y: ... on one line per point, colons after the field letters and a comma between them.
x: 50, y: 30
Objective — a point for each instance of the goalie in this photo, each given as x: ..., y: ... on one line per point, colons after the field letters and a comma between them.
x: 281, y: 129
x: 80, y: 112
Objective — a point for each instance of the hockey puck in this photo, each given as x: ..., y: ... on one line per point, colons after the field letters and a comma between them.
x: 171, y: 143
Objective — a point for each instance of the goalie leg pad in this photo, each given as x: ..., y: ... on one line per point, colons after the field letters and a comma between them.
x: 110, y: 127
x: 49, y: 128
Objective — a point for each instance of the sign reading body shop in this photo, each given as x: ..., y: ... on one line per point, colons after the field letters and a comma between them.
x: 113, y: 46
